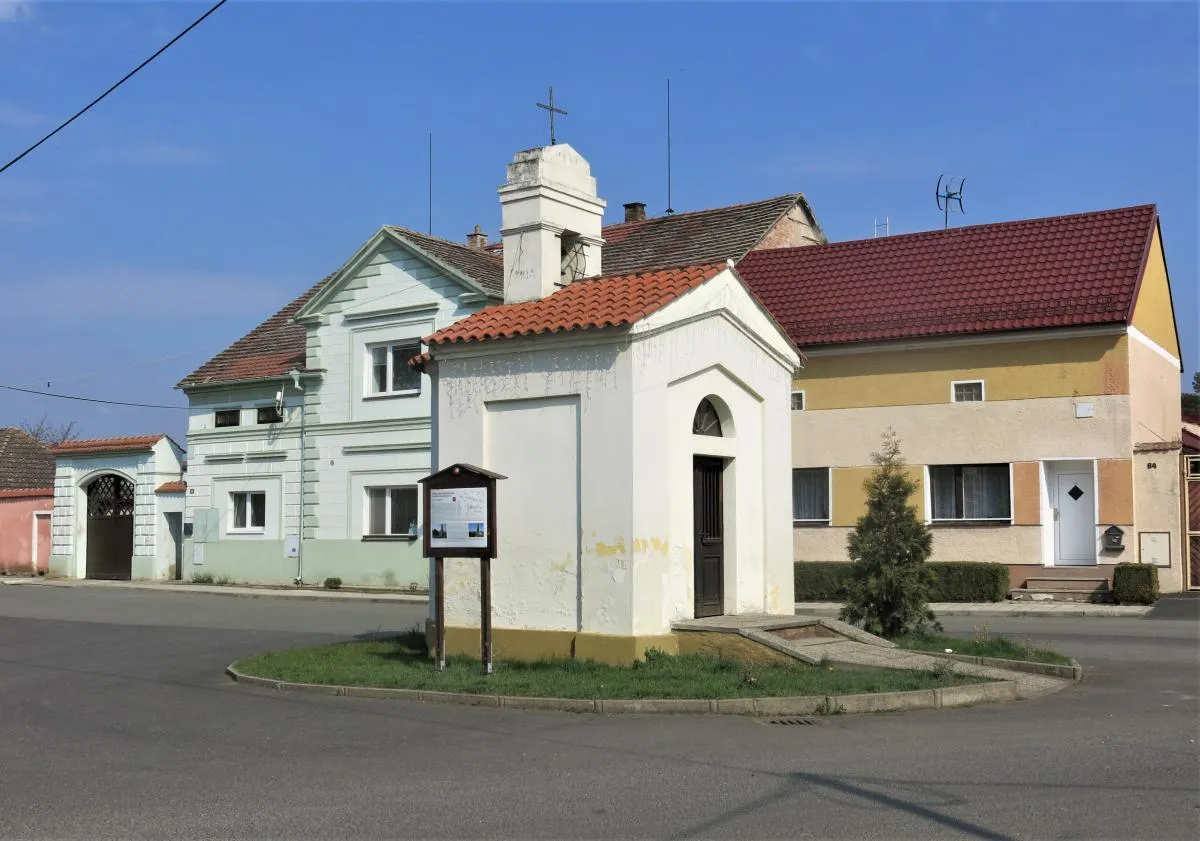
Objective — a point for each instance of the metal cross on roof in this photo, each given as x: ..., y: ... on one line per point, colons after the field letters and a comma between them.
x: 552, y: 111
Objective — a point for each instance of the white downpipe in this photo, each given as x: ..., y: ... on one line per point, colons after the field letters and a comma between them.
x: 300, y: 528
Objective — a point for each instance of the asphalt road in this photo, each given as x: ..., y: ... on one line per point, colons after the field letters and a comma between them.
x: 116, y: 722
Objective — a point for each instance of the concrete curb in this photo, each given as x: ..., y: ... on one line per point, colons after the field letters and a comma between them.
x: 234, y: 591
x: 1071, y: 672
x: 997, y: 609
x: 920, y: 699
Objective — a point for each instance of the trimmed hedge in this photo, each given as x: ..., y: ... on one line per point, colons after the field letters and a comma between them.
x: 953, y: 581
x: 1135, y: 584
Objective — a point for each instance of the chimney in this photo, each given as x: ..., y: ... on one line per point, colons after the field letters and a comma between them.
x: 635, y: 211
x: 477, y: 239
x: 551, y: 222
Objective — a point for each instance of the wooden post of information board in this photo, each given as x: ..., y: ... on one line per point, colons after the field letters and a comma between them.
x: 460, y: 522
x: 439, y: 612
x: 485, y: 612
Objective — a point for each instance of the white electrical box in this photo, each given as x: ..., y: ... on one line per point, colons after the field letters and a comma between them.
x: 1085, y: 410
x: 1154, y: 547
x: 291, y: 546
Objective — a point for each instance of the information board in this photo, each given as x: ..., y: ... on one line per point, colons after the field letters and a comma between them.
x: 458, y: 518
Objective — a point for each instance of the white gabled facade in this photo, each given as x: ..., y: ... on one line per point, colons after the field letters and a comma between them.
x: 360, y: 442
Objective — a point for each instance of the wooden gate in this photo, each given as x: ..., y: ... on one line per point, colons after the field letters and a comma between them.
x: 110, y: 528
x: 1193, y: 520
x: 709, y: 550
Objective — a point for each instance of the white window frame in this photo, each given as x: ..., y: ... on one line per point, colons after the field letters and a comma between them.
x: 369, y: 369
x: 233, y: 507
x: 803, y: 400
x: 982, y: 391
x: 829, y: 496
x: 927, y: 480
x: 1193, y: 466
x: 387, y: 533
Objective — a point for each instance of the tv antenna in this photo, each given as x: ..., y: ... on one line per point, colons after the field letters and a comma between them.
x: 670, y: 209
x: 952, y: 193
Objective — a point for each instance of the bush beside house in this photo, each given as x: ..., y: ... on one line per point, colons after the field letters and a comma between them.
x: 1135, y: 584
x: 952, y: 581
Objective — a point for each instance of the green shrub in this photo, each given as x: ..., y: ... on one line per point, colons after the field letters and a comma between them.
x: 202, y: 578
x: 821, y: 582
x: 1135, y: 584
x: 224, y: 580
x: 968, y: 581
x: 889, y: 579
x: 952, y: 581
x: 333, y: 583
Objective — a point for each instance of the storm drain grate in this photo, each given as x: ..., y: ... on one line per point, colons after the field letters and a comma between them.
x: 793, y: 720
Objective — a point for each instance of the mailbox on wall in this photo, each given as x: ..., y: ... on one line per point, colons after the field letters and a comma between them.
x: 1114, y: 539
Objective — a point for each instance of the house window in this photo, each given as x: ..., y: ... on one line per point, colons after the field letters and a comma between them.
x: 388, y: 371
x: 227, y: 417
x: 810, y: 495
x: 970, y: 492
x: 391, y: 512
x: 966, y: 391
x: 1194, y: 466
x: 249, y: 511
x: 797, y: 401
x: 269, y: 414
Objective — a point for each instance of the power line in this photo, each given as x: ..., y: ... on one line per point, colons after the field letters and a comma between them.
x: 92, y: 399
x: 122, y: 81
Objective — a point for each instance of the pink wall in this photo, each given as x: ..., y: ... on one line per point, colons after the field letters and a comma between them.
x: 16, y: 530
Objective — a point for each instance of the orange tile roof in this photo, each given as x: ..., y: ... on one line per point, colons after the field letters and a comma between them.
x: 25, y: 493
x: 596, y: 303
x: 176, y: 487
x: 128, y: 444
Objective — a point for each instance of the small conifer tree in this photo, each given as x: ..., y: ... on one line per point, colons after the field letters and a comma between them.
x: 889, y: 582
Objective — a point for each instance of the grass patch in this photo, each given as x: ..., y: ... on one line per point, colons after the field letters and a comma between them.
x: 984, y: 645
x: 401, y: 663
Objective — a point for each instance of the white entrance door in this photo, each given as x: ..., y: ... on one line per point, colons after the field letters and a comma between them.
x: 1075, y: 520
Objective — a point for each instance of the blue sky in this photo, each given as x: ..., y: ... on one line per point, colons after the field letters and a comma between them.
x: 258, y: 153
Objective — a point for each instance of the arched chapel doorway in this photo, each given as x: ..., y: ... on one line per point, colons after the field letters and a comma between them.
x: 110, y: 528
x: 708, y: 500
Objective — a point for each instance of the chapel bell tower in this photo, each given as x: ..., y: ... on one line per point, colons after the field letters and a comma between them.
x: 550, y: 218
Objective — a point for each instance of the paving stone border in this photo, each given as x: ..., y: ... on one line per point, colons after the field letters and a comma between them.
x: 920, y: 699
x: 1072, y: 672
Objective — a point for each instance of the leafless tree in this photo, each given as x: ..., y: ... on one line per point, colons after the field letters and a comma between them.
x: 49, y: 433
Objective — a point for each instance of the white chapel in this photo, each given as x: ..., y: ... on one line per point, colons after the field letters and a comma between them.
x: 642, y: 421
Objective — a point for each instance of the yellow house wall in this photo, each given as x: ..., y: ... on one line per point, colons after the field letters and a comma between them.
x: 1154, y: 396
x: 850, y: 495
x: 1081, y: 366
x: 965, y: 433
x: 1153, y: 313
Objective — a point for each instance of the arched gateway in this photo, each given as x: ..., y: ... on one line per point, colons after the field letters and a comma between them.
x: 110, y: 527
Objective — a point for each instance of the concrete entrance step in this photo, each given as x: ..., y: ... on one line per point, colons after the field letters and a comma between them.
x: 1058, y: 594
x: 1090, y: 585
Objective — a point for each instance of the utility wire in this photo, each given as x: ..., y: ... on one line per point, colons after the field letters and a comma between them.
x: 122, y: 81
x: 92, y: 399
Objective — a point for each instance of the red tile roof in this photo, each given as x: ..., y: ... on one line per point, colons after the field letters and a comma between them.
x: 595, y: 303
x: 25, y: 462
x: 484, y: 267
x: 128, y: 444
x: 26, y: 493
x: 700, y: 236
x: 271, y: 349
x: 176, y: 487
x: 1055, y: 272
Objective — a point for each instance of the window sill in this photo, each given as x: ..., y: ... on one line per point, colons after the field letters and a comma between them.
x: 967, y: 523
x: 389, y: 538
x: 246, y: 531
x: 387, y: 395
x: 810, y: 524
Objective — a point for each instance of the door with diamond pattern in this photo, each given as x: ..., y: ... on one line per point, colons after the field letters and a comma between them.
x: 1075, y: 520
